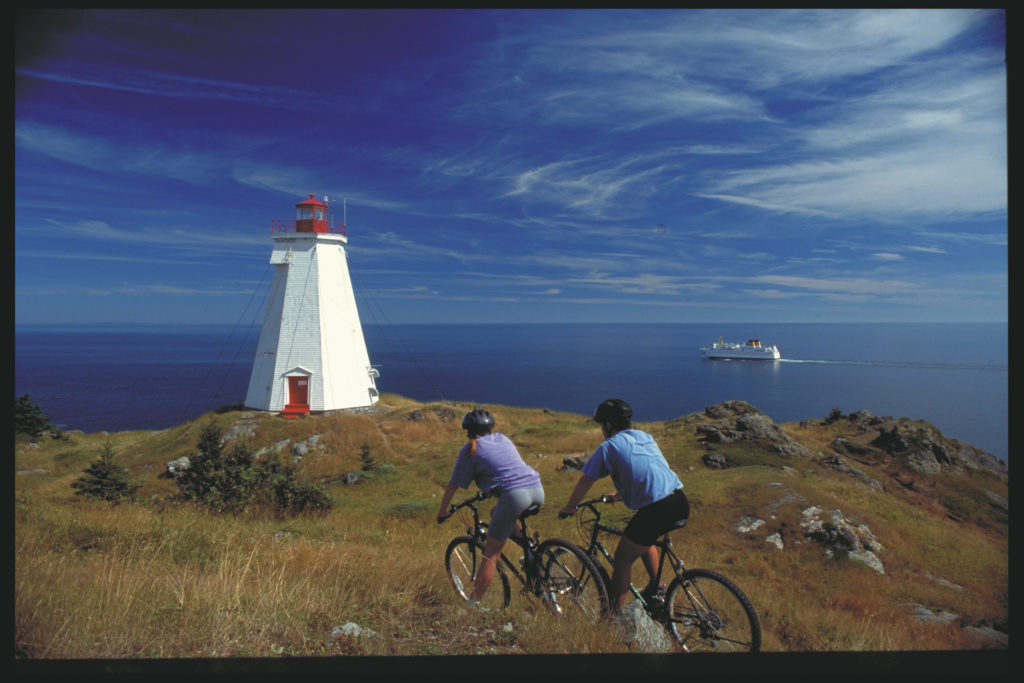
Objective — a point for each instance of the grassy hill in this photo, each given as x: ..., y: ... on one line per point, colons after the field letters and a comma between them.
x: 155, y: 578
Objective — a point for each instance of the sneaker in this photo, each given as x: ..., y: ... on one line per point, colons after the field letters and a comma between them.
x: 656, y: 596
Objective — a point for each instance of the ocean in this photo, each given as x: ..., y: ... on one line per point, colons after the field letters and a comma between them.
x: 954, y: 376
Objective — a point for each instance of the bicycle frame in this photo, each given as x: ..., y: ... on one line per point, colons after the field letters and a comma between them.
x: 700, y: 607
x: 595, y: 547
x: 555, y: 570
x: 479, y: 532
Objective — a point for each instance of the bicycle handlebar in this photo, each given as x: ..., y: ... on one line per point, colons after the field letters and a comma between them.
x: 480, y: 495
x: 584, y: 503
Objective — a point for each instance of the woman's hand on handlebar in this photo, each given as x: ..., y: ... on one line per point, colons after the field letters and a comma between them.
x: 611, y: 497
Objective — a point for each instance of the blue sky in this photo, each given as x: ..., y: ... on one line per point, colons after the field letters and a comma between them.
x: 517, y: 166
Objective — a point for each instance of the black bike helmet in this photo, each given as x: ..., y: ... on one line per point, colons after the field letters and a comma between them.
x: 614, y: 411
x: 478, y: 421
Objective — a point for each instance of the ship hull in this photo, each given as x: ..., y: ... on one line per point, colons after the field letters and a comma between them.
x: 735, y: 355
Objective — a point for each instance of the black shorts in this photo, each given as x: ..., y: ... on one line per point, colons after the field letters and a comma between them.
x: 658, y: 518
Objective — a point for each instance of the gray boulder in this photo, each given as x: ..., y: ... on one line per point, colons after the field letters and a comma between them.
x: 573, y: 463
x: 176, y: 468
x: 639, y: 632
x: 842, y: 537
x: 714, y: 461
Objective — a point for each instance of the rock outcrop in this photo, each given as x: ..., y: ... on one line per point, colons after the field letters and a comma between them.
x: 736, y: 421
x: 920, y: 446
x: 841, y: 536
x: 838, y: 464
x: 924, y: 449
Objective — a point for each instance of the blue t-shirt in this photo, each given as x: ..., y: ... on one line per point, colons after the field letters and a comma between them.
x: 637, y: 467
x: 496, y: 467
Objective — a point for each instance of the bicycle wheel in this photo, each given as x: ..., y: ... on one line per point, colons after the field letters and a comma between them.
x: 709, y: 613
x: 569, y: 581
x: 461, y: 560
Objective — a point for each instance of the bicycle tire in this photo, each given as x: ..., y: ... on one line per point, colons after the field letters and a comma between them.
x: 706, y: 612
x: 569, y: 580
x: 461, y: 560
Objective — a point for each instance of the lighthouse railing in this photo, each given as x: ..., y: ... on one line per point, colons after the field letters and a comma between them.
x: 335, y: 227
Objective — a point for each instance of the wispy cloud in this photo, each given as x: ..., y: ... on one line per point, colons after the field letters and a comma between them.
x: 988, y: 238
x: 906, y: 140
x: 113, y: 154
x: 165, y: 237
x: 590, y: 187
x: 132, y: 289
x: 172, y: 85
x: 846, y: 285
x: 80, y: 257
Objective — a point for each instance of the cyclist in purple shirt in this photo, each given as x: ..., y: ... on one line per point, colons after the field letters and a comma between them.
x: 492, y: 461
x: 644, y: 482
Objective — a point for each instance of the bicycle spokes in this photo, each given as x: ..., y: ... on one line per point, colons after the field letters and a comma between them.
x: 462, y: 561
x: 707, y: 612
x: 568, y: 580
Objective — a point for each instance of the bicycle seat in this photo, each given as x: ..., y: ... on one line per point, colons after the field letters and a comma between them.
x: 533, y: 509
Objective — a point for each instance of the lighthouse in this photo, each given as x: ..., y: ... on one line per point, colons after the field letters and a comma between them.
x: 311, y: 356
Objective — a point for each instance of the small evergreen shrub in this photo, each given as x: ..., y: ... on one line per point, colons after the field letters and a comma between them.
x: 232, y: 481
x: 29, y: 418
x: 279, y: 488
x: 364, y: 457
x: 834, y: 415
x: 105, y: 479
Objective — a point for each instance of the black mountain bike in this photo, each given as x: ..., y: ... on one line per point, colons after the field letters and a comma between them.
x: 702, y: 610
x: 557, y: 571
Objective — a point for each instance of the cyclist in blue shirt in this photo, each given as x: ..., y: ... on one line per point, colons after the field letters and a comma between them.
x: 493, y: 462
x: 644, y: 482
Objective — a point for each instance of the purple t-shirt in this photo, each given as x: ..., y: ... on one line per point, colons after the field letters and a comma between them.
x: 497, y: 466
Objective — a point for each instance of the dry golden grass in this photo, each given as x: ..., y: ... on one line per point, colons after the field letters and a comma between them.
x: 157, y: 579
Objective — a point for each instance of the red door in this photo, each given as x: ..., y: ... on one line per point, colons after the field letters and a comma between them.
x: 298, y: 391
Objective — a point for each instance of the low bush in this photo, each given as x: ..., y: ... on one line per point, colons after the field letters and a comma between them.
x: 29, y: 418
x: 105, y: 479
x: 232, y: 481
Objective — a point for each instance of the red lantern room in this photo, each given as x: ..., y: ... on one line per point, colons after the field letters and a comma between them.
x: 311, y: 216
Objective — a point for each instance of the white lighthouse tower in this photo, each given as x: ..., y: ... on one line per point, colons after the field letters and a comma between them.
x: 311, y: 357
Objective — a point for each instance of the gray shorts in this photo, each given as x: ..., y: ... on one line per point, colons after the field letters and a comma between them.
x: 510, y: 505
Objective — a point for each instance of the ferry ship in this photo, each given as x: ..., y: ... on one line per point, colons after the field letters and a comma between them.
x: 752, y: 350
